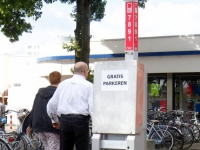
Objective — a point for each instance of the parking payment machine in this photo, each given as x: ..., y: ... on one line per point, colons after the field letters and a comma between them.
x: 119, y: 107
x: 120, y: 91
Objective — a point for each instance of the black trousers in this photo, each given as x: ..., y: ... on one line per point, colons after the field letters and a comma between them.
x: 74, y: 129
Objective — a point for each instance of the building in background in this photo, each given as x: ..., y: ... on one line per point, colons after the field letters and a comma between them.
x: 172, y: 64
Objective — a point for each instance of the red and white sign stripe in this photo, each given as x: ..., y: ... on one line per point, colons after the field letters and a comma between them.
x: 131, y: 37
x: 10, y: 121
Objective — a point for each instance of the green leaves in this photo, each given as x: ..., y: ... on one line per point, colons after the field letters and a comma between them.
x: 91, y: 75
x: 13, y: 14
x: 97, y: 10
x: 141, y: 3
x: 73, y: 45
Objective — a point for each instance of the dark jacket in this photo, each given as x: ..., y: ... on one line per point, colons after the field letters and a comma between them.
x: 39, y: 119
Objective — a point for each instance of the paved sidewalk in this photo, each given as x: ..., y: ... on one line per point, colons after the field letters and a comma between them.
x: 195, y: 146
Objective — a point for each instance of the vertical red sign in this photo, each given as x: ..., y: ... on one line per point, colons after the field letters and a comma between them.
x: 131, y: 38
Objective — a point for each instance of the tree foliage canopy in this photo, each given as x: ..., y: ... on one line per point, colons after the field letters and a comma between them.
x: 97, y: 8
x: 141, y: 3
x: 13, y: 14
x: 84, y: 12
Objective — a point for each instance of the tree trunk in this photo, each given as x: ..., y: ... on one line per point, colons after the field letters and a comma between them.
x: 78, y: 30
x: 85, y: 49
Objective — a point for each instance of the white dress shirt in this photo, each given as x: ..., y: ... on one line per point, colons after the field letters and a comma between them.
x: 72, y: 96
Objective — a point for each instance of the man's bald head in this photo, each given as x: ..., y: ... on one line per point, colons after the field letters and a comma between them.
x: 80, y: 67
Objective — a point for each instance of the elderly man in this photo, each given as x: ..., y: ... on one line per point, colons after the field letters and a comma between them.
x: 72, y: 101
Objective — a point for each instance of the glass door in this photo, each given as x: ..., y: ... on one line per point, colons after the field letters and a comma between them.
x: 187, y: 91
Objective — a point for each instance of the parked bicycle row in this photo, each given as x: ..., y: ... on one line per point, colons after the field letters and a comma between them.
x: 176, y: 130
x: 19, y: 139
x: 173, y: 130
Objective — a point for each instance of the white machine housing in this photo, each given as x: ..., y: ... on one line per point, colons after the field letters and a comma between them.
x: 119, y: 97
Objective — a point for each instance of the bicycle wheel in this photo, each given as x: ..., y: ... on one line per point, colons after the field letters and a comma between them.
x: 33, y: 143
x: 196, y: 132
x: 178, y: 138
x: 163, y: 139
x: 3, y: 145
x: 188, y: 137
x: 18, y: 142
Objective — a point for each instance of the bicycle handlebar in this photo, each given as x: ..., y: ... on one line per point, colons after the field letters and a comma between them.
x: 16, y: 111
x: 8, y: 111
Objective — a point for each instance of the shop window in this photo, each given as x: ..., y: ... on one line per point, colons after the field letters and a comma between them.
x: 187, y: 91
x: 157, y: 91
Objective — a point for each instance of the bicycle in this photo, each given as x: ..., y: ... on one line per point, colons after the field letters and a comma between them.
x: 163, y: 123
x: 195, y: 123
x: 163, y: 138
x: 3, y: 145
x: 19, y: 140
x: 186, y: 128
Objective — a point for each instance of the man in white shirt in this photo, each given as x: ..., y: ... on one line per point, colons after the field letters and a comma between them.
x: 72, y: 101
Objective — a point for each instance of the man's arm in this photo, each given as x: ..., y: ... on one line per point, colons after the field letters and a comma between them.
x: 90, y: 101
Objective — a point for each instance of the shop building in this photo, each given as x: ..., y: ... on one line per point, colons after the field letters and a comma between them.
x: 172, y: 63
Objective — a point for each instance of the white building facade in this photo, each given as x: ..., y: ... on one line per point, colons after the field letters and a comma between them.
x: 172, y: 64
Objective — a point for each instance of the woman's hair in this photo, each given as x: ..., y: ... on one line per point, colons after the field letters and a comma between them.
x: 54, y: 77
